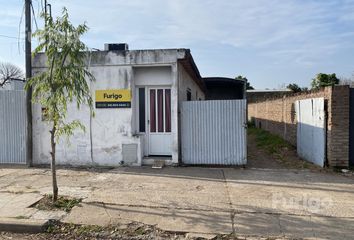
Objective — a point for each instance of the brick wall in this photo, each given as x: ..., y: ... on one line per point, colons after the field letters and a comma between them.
x: 256, y: 96
x: 277, y: 115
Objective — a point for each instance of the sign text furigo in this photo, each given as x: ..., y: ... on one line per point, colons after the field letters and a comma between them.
x: 113, y: 98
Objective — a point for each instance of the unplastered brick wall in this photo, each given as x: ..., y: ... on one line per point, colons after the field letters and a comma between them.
x: 277, y: 115
x: 338, y: 127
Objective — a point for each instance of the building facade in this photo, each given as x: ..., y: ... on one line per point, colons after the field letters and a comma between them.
x: 137, y: 95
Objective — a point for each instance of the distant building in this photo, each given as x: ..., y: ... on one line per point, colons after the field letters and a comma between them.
x: 220, y: 88
x: 257, y: 95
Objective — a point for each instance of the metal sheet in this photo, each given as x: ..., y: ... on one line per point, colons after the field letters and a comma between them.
x: 214, y: 132
x: 311, y: 130
x: 13, y: 131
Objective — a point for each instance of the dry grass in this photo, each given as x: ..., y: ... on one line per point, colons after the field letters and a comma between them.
x: 63, y: 203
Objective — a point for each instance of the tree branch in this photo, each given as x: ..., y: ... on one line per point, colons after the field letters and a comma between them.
x: 8, y: 72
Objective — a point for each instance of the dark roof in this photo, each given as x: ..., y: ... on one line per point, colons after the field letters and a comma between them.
x: 222, y: 81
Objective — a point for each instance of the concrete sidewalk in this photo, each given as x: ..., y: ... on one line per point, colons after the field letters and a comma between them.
x: 292, y: 203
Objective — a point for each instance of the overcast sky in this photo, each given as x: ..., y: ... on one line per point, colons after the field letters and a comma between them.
x: 271, y: 42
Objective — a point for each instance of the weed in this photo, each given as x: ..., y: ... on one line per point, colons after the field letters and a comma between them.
x: 22, y: 217
x: 50, y: 228
x: 66, y: 204
x: 63, y: 203
x: 273, y: 144
x: 85, y: 229
x: 140, y: 231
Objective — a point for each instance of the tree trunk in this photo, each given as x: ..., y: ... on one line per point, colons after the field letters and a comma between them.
x: 54, y: 174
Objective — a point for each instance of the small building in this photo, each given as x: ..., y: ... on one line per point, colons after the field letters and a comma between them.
x: 138, y: 96
x: 221, y: 88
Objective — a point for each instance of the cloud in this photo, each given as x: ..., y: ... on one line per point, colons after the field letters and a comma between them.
x: 300, y: 33
x: 10, y: 17
x: 292, y: 29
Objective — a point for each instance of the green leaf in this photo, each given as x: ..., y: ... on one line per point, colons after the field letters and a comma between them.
x: 65, y: 81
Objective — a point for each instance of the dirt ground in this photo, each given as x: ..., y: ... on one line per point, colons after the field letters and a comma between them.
x: 286, y: 158
x: 135, y: 231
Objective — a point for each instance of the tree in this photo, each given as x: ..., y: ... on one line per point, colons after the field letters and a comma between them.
x: 9, y: 72
x: 248, y: 85
x: 324, y: 80
x: 294, y: 87
x: 64, y: 81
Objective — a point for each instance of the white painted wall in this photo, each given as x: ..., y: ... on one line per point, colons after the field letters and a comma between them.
x: 187, y: 82
x: 101, y: 144
x: 109, y: 129
x: 153, y: 76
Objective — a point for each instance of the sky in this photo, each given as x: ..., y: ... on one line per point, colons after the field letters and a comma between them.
x: 271, y: 42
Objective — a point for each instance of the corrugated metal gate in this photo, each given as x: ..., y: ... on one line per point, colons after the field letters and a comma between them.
x: 214, y: 132
x: 311, y: 130
x: 13, y: 131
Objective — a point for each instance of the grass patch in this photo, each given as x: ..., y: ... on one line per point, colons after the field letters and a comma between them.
x: 63, y: 203
x: 78, y: 230
x: 22, y: 217
x: 278, y: 149
x: 273, y: 144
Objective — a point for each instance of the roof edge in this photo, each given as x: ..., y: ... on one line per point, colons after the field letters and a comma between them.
x: 193, y: 71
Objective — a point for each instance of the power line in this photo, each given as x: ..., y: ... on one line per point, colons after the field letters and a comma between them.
x: 34, y: 15
x: 19, y: 28
x: 6, y: 36
x: 42, y: 6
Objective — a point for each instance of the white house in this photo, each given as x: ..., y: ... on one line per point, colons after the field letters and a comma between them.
x: 138, y: 95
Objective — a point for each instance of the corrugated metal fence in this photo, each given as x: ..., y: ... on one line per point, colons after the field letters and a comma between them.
x: 13, y: 131
x: 214, y: 132
x: 311, y: 130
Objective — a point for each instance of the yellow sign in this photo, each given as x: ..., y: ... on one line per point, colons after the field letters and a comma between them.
x: 113, y: 98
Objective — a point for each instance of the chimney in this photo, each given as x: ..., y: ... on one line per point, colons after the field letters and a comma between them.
x: 116, y: 47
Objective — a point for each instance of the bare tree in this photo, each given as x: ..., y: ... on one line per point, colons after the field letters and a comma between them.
x: 8, y: 72
x: 347, y: 81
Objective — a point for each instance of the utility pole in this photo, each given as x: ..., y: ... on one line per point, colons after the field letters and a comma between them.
x: 45, y: 12
x: 28, y: 39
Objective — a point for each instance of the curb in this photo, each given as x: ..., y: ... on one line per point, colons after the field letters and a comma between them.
x: 23, y: 225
